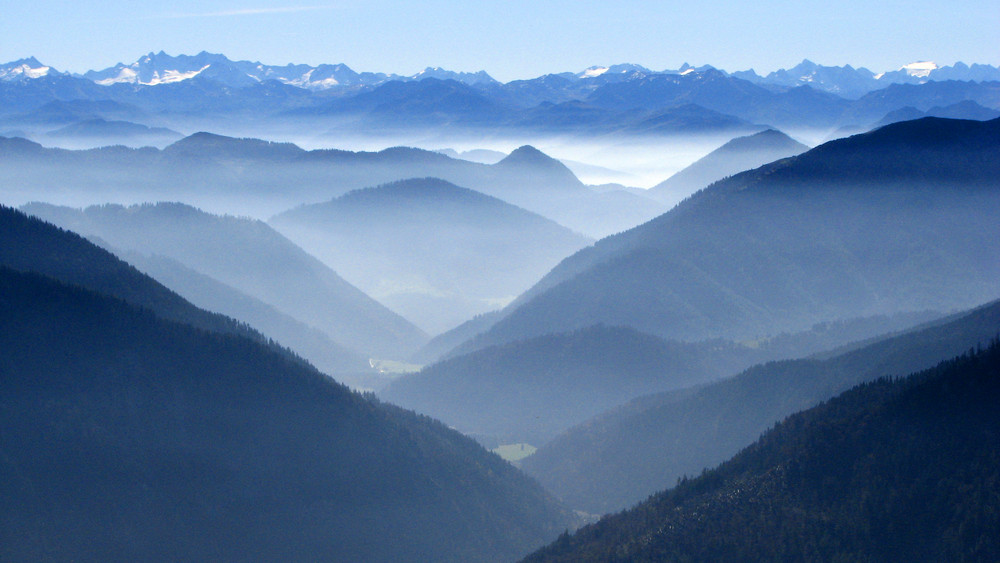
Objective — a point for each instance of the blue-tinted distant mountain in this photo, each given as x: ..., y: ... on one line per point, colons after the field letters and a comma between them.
x: 845, y: 81
x: 252, y: 257
x: 482, y: 156
x: 436, y: 253
x: 855, y: 227
x: 60, y: 112
x: 160, y: 68
x: 891, y: 470
x: 531, y: 390
x: 714, y: 90
x: 101, y: 132
x: 428, y: 102
x: 967, y: 109
x: 471, y: 78
x: 853, y: 82
x: 872, y: 107
x: 735, y: 156
x: 23, y: 94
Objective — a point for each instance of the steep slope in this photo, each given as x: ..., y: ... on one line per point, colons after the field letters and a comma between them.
x: 253, y: 258
x: 437, y: 253
x: 899, y: 219
x: 742, y: 153
x: 529, y: 391
x: 624, y: 455
x: 130, y: 437
x: 901, y: 470
x: 29, y: 244
x: 534, y: 389
x: 211, y: 295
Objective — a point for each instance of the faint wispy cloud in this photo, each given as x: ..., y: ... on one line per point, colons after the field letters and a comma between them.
x: 238, y: 12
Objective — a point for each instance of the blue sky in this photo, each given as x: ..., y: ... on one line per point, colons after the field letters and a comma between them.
x: 509, y: 39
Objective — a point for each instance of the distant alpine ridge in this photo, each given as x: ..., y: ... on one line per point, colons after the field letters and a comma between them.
x: 160, y: 68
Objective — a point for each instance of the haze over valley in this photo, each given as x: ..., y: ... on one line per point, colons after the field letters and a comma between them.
x: 300, y: 312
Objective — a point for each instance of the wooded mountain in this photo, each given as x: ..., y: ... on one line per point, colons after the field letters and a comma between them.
x: 347, y: 366
x: 899, y: 219
x: 254, y: 258
x: 29, y: 244
x: 893, y: 470
x: 531, y: 390
x: 737, y: 155
x: 620, y: 457
x: 131, y: 437
x: 436, y: 253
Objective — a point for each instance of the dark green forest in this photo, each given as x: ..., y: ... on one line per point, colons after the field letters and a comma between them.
x: 127, y: 436
x: 892, y: 470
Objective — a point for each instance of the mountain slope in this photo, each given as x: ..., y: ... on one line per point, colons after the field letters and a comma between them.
x: 624, y: 455
x: 856, y: 227
x: 737, y: 155
x: 253, y: 258
x: 29, y: 244
x: 130, y: 437
x: 889, y: 471
x: 435, y: 252
x: 211, y: 295
x: 531, y: 390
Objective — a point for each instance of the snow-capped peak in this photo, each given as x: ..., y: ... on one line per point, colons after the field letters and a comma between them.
x: 594, y: 71
x: 920, y: 69
x: 24, y: 69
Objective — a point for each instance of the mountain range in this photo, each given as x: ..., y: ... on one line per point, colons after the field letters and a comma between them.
x: 261, y: 178
x: 206, y: 91
x: 160, y: 68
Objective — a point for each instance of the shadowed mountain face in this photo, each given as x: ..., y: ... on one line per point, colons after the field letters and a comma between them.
x: 902, y: 470
x: 742, y: 153
x: 620, y: 457
x: 249, y: 256
x: 130, y: 437
x: 436, y: 253
x: 900, y: 219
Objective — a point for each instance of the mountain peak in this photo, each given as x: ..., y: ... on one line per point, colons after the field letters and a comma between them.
x: 527, y: 154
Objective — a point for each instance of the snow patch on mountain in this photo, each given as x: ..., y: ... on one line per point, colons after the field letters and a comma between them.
x: 24, y: 69
x: 921, y: 69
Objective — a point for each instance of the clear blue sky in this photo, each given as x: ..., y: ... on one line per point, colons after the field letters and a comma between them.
x: 509, y: 39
